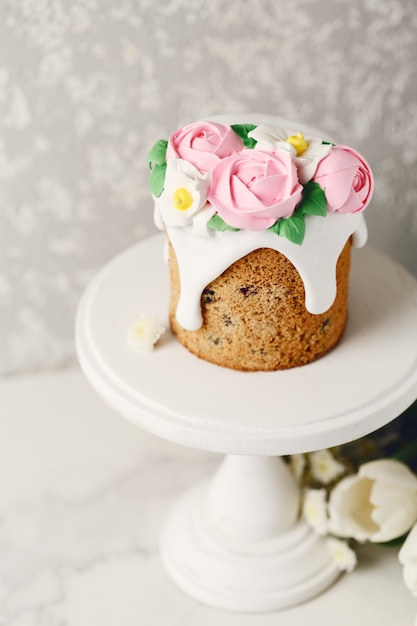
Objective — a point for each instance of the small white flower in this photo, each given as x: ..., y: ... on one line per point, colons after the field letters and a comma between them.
x: 315, y: 510
x: 297, y: 465
x: 324, y: 467
x: 144, y: 333
x: 342, y: 553
x: 307, y: 151
x: 185, y: 193
x: 407, y: 556
x: 377, y: 504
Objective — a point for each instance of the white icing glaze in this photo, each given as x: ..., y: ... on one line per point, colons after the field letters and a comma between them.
x: 202, y: 259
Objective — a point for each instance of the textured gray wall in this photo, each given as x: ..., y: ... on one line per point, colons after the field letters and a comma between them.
x: 86, y: 87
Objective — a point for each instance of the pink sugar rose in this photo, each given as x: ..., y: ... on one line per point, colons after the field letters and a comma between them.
x: 203, y: 144
x: 253, y: 189
x: 346, y: 179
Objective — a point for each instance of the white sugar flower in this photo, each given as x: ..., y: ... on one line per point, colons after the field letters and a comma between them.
x: 199, y: 221
x: 144, y: 333
x: 408, y: 559
x: 377, y: 504
x: 324, y: 467
x: 315, y: 510
x: 185, y: 193
x: 307, y: 151
x: 343, y: 555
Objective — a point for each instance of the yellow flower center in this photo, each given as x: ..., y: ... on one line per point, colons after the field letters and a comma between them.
x: 182, y: 199
x: 298, y: 142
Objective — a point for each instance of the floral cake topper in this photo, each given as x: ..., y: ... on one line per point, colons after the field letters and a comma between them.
x: 211, y: 176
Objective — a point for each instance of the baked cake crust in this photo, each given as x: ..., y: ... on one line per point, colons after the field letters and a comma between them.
x: 254, y: 315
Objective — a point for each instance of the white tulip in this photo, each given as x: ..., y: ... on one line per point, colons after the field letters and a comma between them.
x: 377, y: 504
x: 408, y: 559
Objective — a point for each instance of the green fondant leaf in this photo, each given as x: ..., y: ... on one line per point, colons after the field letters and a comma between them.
x: 217, y: 223
x: 313, y: 201
x: 157, y: 179
x: 243, y: 130
x: 275, y: 228
x: 157, y: 154
x: 293, y: 228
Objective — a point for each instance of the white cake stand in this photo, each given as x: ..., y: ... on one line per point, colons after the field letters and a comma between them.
x: 237, y: 542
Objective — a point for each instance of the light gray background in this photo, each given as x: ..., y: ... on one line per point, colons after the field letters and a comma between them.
x: 87, y: 86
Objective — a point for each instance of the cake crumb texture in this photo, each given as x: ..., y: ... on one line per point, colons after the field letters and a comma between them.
x: 254, y: 315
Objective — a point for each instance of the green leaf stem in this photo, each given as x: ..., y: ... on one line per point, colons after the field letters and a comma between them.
x: 293, y: 228
x: 217, y: 223
x: 243, y: 130
x: 157, y: 154
x: 313, y: 201
x: 157, y: 179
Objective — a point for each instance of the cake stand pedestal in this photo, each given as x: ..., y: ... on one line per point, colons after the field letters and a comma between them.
x: 237, y: 542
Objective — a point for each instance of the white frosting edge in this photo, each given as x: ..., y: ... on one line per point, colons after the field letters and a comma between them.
x: 202, y: 259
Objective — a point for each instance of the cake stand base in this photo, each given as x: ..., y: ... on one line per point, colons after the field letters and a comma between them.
x: 238, y: 543
x: 230, y: 544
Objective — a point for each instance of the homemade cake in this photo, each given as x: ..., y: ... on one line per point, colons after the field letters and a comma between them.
x: 260, y: 216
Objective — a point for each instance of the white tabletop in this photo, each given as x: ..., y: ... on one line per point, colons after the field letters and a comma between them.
x: 84, y: 495
x: 365, y: 382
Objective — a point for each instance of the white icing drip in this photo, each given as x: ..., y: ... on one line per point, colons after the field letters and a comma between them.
x: 360, y: 236
x: 202, y: 259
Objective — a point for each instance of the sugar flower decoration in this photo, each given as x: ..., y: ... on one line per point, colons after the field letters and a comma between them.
x: 347, y: 179
x: 144, y: 333
x: 253, y: 189
x: 377, y: 504
x: 213, y: 177
x: 324, y: 467
x: 203, y: 144
x: 199, y: 221
x: 343, y: 555
x: 184, y: 194
x: 315, y: 510
x: 307, y: 151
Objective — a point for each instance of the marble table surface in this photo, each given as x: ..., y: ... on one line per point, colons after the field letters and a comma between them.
x: 83, y: 497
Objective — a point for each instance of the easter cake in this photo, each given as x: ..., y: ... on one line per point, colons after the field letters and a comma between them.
x: 260, y: 216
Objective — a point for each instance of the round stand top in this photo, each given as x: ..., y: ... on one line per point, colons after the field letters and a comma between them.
x: 366, y: 381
